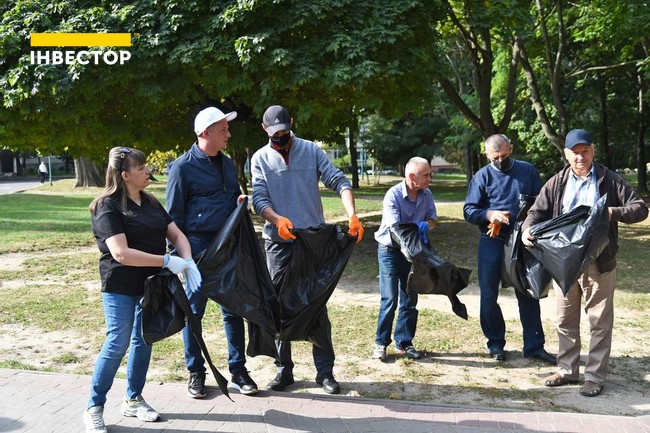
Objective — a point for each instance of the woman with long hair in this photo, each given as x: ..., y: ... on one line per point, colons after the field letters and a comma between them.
x: 131, y: 228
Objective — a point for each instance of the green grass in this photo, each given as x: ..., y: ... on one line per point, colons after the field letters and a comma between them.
x: 51, y: 307
x: 58, y: 290
x: 31, y: 222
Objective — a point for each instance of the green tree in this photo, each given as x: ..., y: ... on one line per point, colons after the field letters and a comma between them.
x: 578, y: 51
x: 477, y: 64
x: 331, y: 63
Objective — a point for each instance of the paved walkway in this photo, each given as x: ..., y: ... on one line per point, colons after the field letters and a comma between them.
x: 44, y: 402
x: 9, y: 186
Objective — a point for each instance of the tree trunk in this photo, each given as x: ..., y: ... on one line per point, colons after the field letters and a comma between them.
x: 20, y: 165
x: 640, y: 144
x: 352, y: 143
x: 536, y: 100
x: 604, y: 122
x: 467, y: 156
x: 239, y: 158
x: 353, y: 159
x: 86, y: 173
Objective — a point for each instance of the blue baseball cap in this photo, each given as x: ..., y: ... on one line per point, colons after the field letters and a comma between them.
x: 575, y: 137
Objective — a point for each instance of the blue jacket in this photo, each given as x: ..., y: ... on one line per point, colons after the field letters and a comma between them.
x: 201, y: 196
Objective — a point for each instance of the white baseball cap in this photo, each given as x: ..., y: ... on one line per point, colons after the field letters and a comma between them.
x: 208, y: 116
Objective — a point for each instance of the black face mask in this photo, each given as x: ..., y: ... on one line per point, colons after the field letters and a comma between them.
x: 503, y: 165
x: 282, y: 140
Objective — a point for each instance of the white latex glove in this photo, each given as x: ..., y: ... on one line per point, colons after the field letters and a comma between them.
x: 192, y: 275
x: 174, y: 263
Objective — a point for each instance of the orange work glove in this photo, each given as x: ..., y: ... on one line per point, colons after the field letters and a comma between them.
x: 494, y: 229
x: 356, y: 229
x: 284, y: 226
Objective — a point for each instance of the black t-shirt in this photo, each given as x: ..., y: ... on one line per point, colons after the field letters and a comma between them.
x: 145, y: 228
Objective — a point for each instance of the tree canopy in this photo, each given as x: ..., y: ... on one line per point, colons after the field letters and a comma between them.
x: 449, y: 71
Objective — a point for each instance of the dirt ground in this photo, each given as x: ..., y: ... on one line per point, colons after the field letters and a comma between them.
x: 454, y: 379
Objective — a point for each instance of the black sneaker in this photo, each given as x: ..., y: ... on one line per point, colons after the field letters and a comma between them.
x: 243, y: 382
x: 280, y: 382
x: 196, y: 386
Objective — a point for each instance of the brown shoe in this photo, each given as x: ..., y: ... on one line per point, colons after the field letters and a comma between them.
x: 557, y: 380
x: 591, y: 389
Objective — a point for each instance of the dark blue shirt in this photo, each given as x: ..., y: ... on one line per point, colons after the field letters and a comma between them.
x: 499, y: 190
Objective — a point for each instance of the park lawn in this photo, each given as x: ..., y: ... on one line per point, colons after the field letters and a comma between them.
x: 56, y: 288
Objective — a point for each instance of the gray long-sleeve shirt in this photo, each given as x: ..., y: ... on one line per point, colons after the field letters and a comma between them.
x: 292, y: 190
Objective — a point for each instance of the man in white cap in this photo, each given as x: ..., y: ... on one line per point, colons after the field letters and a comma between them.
x: 285, y: 177
x: 583, y: 182
x: 202, y: 191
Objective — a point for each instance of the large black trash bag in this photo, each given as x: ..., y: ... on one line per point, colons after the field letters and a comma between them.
x: 430, y: 273
x: 165, y: 309
x: 520, y: 268
x: 161, y: 316
x: 309, y: 279
x: 567, y: 244
x: 235, y: 275
x: 304, y: 284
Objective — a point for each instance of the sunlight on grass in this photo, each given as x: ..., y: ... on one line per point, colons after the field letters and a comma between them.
x: 53, y: 285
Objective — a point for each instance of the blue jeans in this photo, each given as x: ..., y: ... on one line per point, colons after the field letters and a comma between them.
x: 277, y: 254
x: 393, y: 274
x: 232, y: 324
x: 123, y: 328
x: 490, y: 258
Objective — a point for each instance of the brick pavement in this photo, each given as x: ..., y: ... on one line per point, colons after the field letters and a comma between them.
x: 44, y: 402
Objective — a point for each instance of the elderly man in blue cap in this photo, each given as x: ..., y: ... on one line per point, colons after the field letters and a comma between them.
x: 583, y: 182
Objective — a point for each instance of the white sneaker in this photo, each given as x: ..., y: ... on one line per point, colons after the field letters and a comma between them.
x: 140, y: 409
x: 94, y: 420
x: 379, y: 352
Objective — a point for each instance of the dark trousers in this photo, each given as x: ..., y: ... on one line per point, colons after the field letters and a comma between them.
x: 277, y: 254
x: 490, y: 258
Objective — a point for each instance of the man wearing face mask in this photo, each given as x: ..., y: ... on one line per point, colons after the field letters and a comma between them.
x: 492, y: 198
x: 285, y: 177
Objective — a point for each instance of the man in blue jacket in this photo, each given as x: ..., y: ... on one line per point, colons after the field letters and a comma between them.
x: 202, y: 191
x: 492, y: 198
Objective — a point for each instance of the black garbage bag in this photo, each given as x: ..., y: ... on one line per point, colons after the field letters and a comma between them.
x: 235, y: 275
x: 567, y: 244
x: 309, y: 279
x: 430, y: 273
x: 525, y: 203
x: 521, y: 269
x: 161, y: 316
x: 304, y: 286
x: 165, y: 309
x: 290, y: 308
